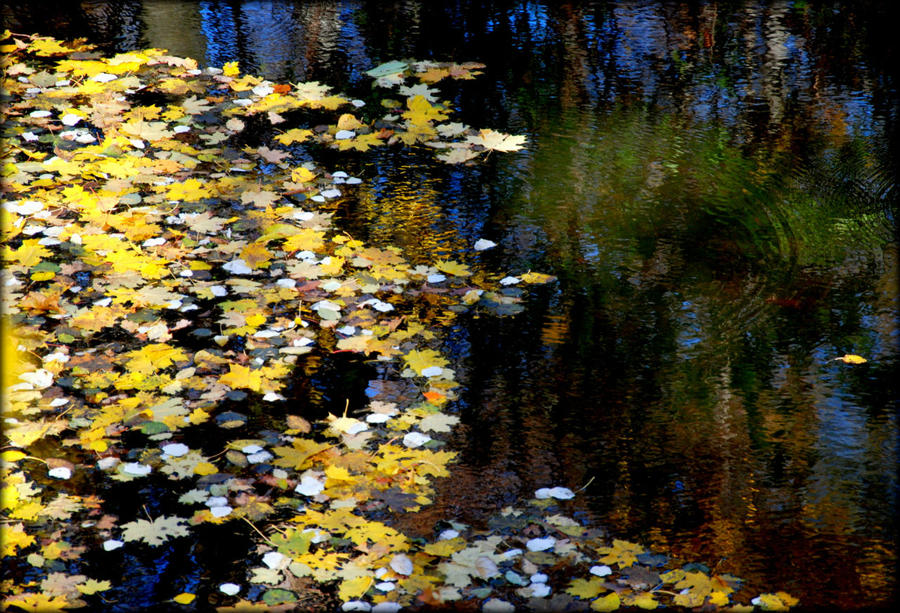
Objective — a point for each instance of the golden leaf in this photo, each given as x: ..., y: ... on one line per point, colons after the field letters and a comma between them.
x: 850, y: 358
x: 586, y: 588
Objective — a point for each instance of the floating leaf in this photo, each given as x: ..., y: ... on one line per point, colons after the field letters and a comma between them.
x: 154, y: 532
x: 850, y: 358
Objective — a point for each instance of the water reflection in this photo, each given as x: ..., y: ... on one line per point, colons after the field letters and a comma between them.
x: 715, y: 187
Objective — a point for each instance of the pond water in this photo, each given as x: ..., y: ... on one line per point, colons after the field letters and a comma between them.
x: 713, y: 184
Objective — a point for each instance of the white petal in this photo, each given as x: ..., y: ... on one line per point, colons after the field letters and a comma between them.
x: 432, y: 371
x: 482, y: 243
x: 509, y: 280
x: 112, y: 544
x: 230, y: 588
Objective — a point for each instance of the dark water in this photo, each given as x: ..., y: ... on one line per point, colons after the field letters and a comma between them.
x: 715, y: 186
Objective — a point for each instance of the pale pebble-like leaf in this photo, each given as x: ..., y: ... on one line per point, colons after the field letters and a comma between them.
x: 401, y: 564
x: 415, y: 439
x: 541, y: 544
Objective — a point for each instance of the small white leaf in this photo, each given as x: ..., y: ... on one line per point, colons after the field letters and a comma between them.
x: 259, y: 457
x: 401, y: 564
x: 486, y: 567
x: 309, y: 486
x: 60, y: 472
x: 238, y: 267
x: 482, y: 243
x: 560, y: 493
x: 230, y: 588
x: 175, y: 450
x: 601, y: 571
x: 432, y: 371
x: 415, y: 439
x: 273, y: 559
x: 509, y: 280
x: 495, y: 605
x: 135, y: 468
x: 539, y: 590
x: 541, y: 544
x: 112, y: 544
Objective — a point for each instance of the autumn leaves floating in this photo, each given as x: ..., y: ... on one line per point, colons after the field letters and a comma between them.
x: 156, y: 268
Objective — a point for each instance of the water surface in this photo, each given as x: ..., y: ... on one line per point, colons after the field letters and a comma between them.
x: 713, y: 184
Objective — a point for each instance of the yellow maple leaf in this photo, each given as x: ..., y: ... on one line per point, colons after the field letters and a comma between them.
x: 354, y: 588
x: 92, y: 586
x: 14, y: 538
x: 205, y: 468
x: 37, y: 602
x: 536, y: 277
x: 29, y: 253
x: 622, y: 553
x: 306, y: 239
x: 231, y: 69
x: 422, y: 112
x: 188, y: 191
x: 299, y: 454
x: 586, y: 588
x: 154, y: 357
x: 497, y: 141
x: 610, y: 602
x: 645, y: 600
x: 446, y: 547
x: 239, y: 376
x: 453, y: 268
x: 359, y: 143
x: 332, y: 265
x: 779, y: 601
x: 420, y: 359
x: 256, y: 255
